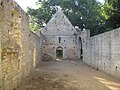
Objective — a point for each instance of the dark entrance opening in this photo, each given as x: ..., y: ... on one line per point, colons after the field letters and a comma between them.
x: 59, y: 52
x: 81, y: 49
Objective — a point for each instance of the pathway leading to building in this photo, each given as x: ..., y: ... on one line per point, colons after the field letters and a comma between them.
x: 68, y: 75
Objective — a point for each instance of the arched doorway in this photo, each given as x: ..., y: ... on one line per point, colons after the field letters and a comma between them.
x: 59, y: 52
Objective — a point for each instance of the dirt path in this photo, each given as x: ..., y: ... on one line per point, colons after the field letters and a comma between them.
x: 68, y: 75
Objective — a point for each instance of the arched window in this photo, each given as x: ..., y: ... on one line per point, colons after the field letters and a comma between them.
x: 60, y: 39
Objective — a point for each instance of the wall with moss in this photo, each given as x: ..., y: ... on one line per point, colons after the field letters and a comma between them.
x: 20, y: 50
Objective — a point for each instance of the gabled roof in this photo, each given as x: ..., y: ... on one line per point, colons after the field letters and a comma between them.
x: 59, y: 22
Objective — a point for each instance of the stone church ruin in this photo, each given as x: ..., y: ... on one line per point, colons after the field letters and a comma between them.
x: 22, y: 50
x: 61, y: 39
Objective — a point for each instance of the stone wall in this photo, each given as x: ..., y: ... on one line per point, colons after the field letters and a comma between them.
x: 20, y: 49
x: 67, y: 43
x: 103, y: 52
x: 59, y: 32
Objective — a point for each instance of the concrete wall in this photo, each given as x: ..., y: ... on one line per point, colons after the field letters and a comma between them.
x: 20, y: 49
x: 103, y: 52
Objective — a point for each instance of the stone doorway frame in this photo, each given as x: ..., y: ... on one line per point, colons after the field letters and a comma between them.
x: 59, y: 52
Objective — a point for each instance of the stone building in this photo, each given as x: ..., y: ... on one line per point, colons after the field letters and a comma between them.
x: 61, y: 39
x: 21, y: 50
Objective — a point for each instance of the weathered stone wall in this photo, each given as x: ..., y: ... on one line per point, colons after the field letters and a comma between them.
x: 60, y: 27
x: 20, y: 49
x: 103, y: 52
x: 67, y: 43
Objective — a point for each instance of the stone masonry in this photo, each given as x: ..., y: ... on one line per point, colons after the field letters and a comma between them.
x: 20, y: 49
x: 103, y: 52
x: 60, y: 37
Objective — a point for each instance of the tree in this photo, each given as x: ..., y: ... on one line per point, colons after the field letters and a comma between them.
x: 82, y: 13
x: 112, y: 14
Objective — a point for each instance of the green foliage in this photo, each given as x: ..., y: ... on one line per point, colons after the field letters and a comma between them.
x: 83, y: 13
x: 112, y: 14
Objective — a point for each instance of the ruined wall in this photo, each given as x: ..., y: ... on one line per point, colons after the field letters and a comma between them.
x: 103, y: 52
x: 60, y: 27
x: 67, y: 43
x: 19, y: 48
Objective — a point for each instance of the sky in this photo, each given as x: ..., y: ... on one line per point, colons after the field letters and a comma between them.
x: 31, y: 3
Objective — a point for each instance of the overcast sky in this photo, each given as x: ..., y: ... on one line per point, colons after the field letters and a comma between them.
x: 31, y: 3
